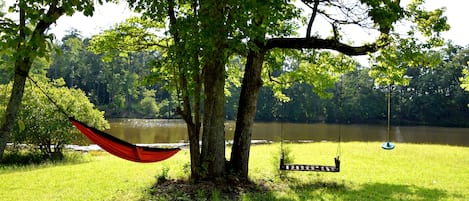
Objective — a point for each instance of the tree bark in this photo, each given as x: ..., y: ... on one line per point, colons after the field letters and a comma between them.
x: 213, y: 142
x: 212, y: 17
x: 252, y: 82
x: 194, y: 148
x: 193, y: 128
x: 22, y: 67
x: 195, y: 136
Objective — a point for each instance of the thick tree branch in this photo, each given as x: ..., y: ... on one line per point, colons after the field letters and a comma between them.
x: 316, y: 43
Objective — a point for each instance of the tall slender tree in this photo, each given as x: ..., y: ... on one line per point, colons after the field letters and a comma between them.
x: 27, y: 38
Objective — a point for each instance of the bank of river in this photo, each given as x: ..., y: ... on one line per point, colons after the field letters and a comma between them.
x: 157, y: 131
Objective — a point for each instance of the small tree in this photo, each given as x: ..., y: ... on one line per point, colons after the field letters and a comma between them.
x: 148, y: 107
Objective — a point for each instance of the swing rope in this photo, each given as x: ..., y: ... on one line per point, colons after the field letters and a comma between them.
x: 389, y: 113
x: 281, y: 134
x: 340, y: 117
x: 388, y: 145
x: 305, y: 167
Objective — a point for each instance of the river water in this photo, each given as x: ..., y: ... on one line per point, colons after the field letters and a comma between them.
x: 152, y: 131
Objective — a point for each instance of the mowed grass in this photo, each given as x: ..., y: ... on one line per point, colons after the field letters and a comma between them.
x: 99, y: 176
x: 409, y: 172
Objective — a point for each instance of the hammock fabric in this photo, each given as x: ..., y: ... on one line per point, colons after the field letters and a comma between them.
x: 122, y: 148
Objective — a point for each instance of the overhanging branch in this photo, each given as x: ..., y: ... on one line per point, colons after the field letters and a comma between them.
x: 316, y: 43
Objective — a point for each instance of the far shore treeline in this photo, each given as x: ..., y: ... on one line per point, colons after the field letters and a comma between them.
x: 118, y: 87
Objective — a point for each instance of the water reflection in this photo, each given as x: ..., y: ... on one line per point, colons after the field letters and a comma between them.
x: 147, y: 131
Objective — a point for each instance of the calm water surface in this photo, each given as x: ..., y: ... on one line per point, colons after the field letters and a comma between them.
x: 150, y: 131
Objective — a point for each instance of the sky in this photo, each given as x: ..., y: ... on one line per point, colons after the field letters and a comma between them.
x: 109, y: 14
x: 105, y: 16
x: 458, y: 14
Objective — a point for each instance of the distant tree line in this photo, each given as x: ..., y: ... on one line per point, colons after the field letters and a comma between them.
x: 433, y: 97
x: 114, y: 85
x: 117, y: 86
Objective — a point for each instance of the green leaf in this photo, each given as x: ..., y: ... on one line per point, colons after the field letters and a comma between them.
x: 21, y: 125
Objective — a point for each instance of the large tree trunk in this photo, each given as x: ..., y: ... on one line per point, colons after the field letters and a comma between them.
x: 22, y: 67
x: 252, y: 82
x: 213, y: 142
x: 212, y: 17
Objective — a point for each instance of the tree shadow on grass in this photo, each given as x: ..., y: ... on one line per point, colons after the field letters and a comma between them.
x: 293, y: 189
x: 167, y: 189
x: 374, y: 191
x: 319, y: 190
x: 382, y: 191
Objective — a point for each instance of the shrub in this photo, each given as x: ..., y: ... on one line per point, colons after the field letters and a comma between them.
x: 41, y: 122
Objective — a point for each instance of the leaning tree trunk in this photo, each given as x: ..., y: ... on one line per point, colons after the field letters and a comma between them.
x: 26, y: 52
x: 252, y: 82
x: 22, y: 67
x: 193, y: 129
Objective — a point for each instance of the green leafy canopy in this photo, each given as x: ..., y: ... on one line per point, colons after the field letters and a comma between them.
x: 320, y: 69
x: 412, y: 49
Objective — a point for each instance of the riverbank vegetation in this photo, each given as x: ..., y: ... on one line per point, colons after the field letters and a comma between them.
x: 433, y: 97
x: 409, y: 172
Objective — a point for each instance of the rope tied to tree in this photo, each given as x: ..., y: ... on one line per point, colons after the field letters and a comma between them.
x: 340, y: 118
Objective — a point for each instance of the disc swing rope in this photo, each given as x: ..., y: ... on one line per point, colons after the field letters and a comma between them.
x: 388, y: 145
x: 309, y: 167
x: 114, y: 145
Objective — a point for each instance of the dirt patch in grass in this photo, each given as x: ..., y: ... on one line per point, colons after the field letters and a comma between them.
x: 186, y: 190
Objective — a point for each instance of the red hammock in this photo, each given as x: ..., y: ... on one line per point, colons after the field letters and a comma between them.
x: 122, y: 148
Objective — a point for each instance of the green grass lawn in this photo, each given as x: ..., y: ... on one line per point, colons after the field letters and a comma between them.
x: 409, y: 172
